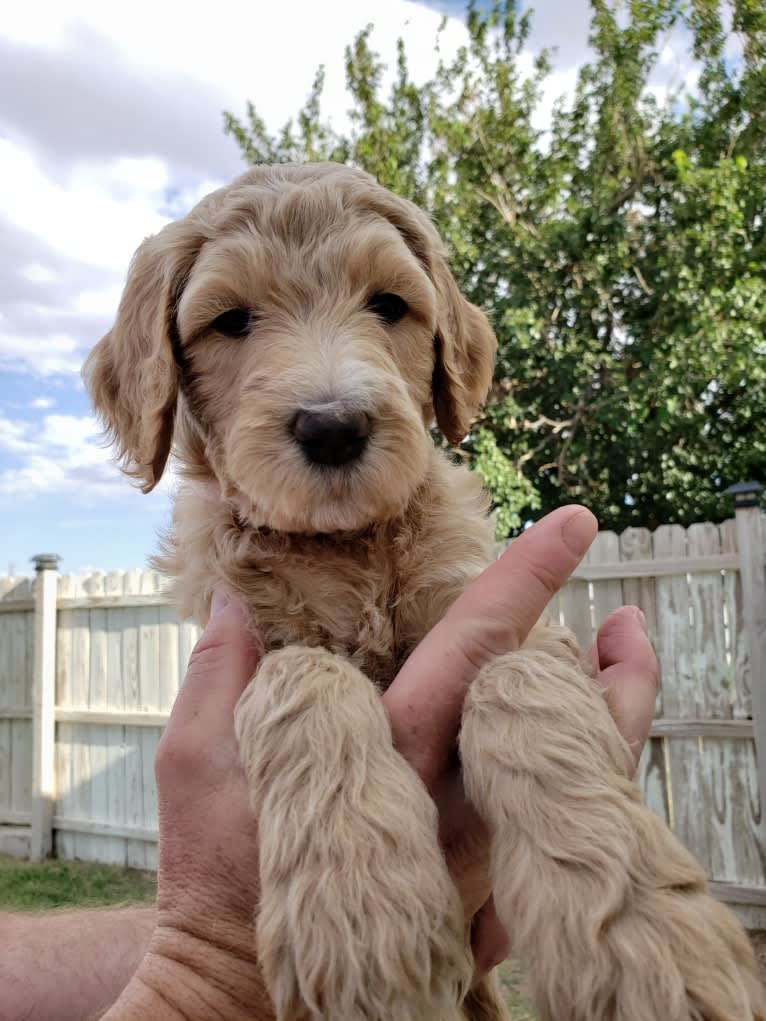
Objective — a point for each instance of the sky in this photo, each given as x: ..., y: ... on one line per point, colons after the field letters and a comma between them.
x: 110, y: 126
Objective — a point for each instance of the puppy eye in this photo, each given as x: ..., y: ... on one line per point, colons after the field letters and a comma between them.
x: 388, y: 307
x: 236, y: 322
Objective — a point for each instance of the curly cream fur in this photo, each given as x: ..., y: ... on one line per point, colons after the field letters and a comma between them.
x: 344, y: 571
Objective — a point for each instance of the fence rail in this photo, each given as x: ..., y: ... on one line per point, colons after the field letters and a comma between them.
x: 90, y: 665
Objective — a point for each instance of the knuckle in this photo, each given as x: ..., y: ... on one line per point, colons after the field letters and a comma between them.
x: 177, y: 756
x: 481, y: 642
x: 545, y: 576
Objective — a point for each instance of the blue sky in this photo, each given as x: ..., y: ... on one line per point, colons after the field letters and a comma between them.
x: 110, y: 125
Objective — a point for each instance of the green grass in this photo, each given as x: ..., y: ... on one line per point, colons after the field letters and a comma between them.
x: 62, y: 884
x: 512, y: 979
x: 57, y: 884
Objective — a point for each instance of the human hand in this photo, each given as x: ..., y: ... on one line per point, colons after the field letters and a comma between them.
x: 495, y: 616
x: 201, y: 961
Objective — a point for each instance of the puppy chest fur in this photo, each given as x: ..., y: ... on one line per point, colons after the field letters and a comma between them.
x: 369, y: 596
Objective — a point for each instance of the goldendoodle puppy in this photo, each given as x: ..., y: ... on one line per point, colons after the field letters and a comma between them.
x: 294, y: 337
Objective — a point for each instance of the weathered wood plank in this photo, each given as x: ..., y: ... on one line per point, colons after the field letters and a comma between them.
x: 188, y: 636
x: 713, y: 687
x: 115, y: 735
x: 94, y: 736
x: 738, y: 653
x: 739, y: 893
x: 651, y: 569
x: 751, y: 544
x: 169, y: 667
x: 606, y: 593
x: 694, y: 727
x: 7, y: 668
x: 6, y: 752
x: 149, y: 660
x: 680, y: 697
x: 747, y: 825
x: 21, y: 794
x: 64, y: 803
x: 116, y: 718
x: 134, y: 810
x: 114, y: 602
x: 81, y: 799
x: 636, y: 544
x: 108, y: 829
x: 574, y: 600
x: 9, y: 816
x: 652, y: 778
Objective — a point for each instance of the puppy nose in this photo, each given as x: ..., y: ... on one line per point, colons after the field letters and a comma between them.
x: 330, y: 437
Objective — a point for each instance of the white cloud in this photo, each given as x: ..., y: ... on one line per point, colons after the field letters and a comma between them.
x: 37, y: 273
x: 13, y: 437
x: 52, y: 355
x: 81, y: 218
x: 62, y: 453
x: 55, y: 454
x: 42, y: 403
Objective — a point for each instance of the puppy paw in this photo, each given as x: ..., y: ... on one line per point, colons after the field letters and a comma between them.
x: 358, y: 918
x: 608, y: 909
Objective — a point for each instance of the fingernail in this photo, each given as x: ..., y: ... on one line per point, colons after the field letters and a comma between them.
x: 219, y: 602
x: 638, y: 613
x: 579, y: 531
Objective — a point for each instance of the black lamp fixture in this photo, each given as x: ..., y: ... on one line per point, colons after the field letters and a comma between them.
x: 745, y: 494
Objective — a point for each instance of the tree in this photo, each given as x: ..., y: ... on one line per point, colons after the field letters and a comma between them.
x: 620, y: 254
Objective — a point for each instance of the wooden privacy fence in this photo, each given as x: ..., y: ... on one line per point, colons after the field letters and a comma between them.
x: 77, y: 745
x: 89, y: 667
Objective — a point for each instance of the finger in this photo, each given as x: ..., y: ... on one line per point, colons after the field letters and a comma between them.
x: 220, y: 666
x: 490, y: 942
x: 493, y: 616
x: 629, y: 672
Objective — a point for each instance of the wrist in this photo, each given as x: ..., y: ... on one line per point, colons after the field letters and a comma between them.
x: 185, y: 978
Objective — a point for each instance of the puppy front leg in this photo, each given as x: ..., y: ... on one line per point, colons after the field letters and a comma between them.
x: 358, y: 918
x: 608, y: 909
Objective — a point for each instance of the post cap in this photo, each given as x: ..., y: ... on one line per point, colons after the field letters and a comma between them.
x: 46, y: 562
x: 745, y: 494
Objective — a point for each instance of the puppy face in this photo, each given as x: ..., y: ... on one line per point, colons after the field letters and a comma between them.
x: 300, y: 330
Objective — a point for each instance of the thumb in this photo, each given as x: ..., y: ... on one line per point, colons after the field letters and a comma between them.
x: 220, y: 666
x: 493, y: 616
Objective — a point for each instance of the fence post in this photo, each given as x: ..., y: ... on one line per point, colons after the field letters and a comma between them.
x: 750, y: 548
x: 43, y: 705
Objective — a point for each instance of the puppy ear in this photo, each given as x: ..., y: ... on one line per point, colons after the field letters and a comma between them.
x: 465, y: 342
x: 132, y: 373
x: 465, y: 356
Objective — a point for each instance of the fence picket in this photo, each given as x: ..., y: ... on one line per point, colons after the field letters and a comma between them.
x: 714, y: 689
x: 22, y: 650
x: 7, y: 668
x: 747, y: 827
x: 82, y: 799
x: 688, y: 788
x: 607, y: 594
x: 64, y: 841
x: 134, y: 810
x: 636, y: 544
